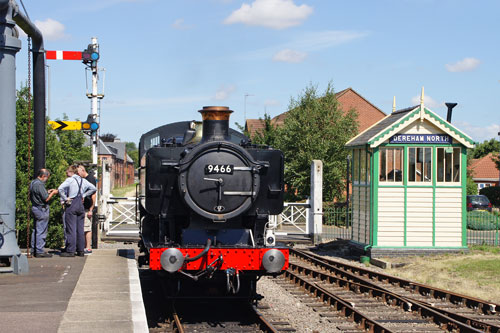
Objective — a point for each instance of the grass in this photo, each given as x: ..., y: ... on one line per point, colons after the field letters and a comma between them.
x: 475, y: 274
x: 125, y: 191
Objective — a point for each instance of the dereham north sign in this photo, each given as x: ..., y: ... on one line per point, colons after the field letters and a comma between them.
x: 421, y: 138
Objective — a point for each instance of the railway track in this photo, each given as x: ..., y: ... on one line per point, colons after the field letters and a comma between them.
x: 223, y: 316
x: 204, y: 315
x: 377, y: 302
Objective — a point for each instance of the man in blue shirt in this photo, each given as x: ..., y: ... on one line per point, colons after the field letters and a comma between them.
x: 73, y: 191
x: 40, y: 198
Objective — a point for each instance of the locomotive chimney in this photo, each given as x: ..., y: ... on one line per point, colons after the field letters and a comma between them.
x: 215, y: 123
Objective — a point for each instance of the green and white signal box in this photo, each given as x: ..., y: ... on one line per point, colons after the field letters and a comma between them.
x: 409, y: 184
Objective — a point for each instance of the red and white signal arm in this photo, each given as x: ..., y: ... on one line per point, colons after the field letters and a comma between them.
x: 63, y: 55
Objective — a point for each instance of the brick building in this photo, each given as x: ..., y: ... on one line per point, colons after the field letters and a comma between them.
x: 368, y: 114
x: 485, y: 172
x: 122, y: 166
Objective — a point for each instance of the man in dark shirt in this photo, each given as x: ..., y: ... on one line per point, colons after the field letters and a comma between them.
x: 88, y: 204
x: 40, y: 197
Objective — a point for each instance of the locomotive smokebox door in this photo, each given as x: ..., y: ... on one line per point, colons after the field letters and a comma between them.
x: 218, y: 179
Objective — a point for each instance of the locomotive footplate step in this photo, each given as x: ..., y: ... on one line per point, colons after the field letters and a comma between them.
x: 108, y: 296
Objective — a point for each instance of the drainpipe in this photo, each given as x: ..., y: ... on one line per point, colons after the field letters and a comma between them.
x: 38, y: 86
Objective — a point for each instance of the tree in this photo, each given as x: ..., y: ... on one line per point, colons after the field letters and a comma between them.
x: 483, y: 149
x: 108, y: 137
x: 268, y: 134
x: 133, y: 152
x: 72, y: 144
x: 63, y: 147
x: 316, y: 128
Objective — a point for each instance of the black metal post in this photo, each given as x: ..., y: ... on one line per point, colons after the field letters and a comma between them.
x: 38, y: 53
x: 348, y: 176
x: 39, y: 109
x: 450, y: 110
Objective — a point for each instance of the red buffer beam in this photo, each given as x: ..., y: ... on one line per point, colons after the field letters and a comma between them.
x: 63, y: 55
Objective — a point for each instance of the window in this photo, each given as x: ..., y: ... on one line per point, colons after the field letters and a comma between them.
x: 355, y: 166
x: 420, y: 164
x: 362, y: 167
x: 448, y: 165
x: 391, y: 165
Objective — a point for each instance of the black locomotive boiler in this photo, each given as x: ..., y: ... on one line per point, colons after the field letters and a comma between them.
x: 206, y: 195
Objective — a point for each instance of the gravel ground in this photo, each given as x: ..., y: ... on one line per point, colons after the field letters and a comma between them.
x: 287, y: 307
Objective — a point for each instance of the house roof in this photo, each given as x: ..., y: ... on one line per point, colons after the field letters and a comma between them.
x: 398, y: 120
x: 346, y: 103
x: 121, y: 150
x: 365, y: 136
x: 484, y: 168
x: 102, y: 149
x: 116, y: 149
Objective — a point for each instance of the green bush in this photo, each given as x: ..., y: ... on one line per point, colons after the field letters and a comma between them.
x: 493, y: 194
x: 63, y: 148
x: 479, y: 220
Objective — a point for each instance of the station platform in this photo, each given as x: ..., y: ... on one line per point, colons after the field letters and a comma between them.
x: 96, y: 293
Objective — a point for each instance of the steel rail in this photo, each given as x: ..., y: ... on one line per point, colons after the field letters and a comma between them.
x: 176, y: 320
x: 470, y: 302
x: 440, y: 317
x: 262, y: 322
x: 365, y: 322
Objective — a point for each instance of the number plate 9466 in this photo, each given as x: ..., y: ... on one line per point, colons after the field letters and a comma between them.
x: 226, y: 169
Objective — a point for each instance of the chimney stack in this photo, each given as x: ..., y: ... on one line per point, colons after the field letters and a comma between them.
x: 215, y: 123
x: 450, y: 110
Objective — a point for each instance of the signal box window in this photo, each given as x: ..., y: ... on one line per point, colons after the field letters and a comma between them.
x: 391, y: 165
x: 448, y: 165
x: 355, y: 166
x: 420, y: 164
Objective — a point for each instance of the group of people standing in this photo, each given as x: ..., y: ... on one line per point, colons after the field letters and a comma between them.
x: 77, y: 195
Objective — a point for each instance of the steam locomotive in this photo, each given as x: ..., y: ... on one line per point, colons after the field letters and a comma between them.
x: 206, y: 194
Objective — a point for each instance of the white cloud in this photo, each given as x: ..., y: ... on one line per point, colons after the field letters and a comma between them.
x: 308, y: 42
x: 428, y: 101
x: 275, y: 14
x: 464, y: 65
x: 272, y: 102
x: 478, y: 133
x: 51, y: 29
x: 180, y: 25
x: 316, y: 41
x: 224, y: 92
x: 290, y: 56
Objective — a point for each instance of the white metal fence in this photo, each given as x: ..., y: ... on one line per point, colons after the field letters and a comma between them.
x: 121, y: 217
x: 293, y: 220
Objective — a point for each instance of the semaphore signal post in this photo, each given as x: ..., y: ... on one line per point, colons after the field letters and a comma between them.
x: 89, y: 57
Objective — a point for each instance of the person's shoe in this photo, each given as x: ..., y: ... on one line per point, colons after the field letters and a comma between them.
x: 67, y: 254
x: 80, y: 253
x: 43, y: 255
x: 87, y: 251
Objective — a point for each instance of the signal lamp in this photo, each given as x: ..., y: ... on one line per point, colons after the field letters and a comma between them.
x: 91, y: 124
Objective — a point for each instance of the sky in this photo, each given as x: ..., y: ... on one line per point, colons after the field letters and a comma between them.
x: 164, y: 60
